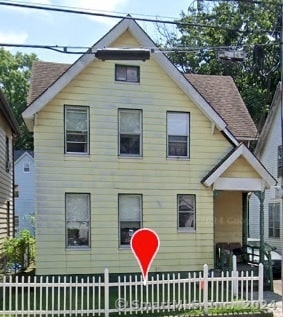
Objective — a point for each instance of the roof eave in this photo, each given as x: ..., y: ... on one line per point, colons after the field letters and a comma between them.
x: 9, y: 116
x: 157, y: 55
x: 253, y: 161
x: 268, y: 122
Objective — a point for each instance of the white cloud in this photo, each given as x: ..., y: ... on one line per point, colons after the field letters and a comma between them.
x: 13, y: 37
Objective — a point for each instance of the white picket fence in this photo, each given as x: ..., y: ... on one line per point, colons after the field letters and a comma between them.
x: 89, y: 296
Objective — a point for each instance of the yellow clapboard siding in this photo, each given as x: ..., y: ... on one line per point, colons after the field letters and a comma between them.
x: 104, y: 174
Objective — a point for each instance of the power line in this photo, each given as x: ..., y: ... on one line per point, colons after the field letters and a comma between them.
x: 86, y: 49
x: 178, y: 23
x: 105, y: 11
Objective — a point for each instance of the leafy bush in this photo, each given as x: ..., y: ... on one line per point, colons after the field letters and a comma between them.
x: 19, y: 251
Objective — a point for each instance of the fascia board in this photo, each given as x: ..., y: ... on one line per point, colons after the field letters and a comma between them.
x: 251, y: 159
x: 158, y: 56
x: 178, y: 77
x: 269, y: 120
x: 260, y: 169
x: 71, y: 73
x: 223, y: 167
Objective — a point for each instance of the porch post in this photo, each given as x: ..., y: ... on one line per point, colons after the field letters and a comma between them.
x: 245, y: 218
x: 260, y: 196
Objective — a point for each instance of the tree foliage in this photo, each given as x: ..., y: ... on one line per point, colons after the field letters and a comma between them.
x: 15, y: 72
x: 232, y: 25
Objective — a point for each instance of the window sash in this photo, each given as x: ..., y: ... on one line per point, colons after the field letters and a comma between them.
x: 186, y: 208
x: 130, y: 214
x: 274, y: 220
x: 76, y: 129
x: 130, y: 132
x: 127, y: 73
x: 178, y: 134
x: 77, y: 220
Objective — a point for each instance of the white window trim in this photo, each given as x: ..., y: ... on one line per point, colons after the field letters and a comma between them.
x: 66, y: 107
x: 78, y: 247
x: 187, y: 135
x: 140, y: 133
x: 127, y: 246
x: 186, y: 229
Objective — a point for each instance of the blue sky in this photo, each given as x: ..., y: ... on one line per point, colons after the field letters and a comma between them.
x: 26, y: 26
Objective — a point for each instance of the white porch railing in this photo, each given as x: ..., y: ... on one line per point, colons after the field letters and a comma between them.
x: 89, y: 296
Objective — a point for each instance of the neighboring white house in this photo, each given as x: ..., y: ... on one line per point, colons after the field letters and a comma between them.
x: 269, y: 152
x: 24, y: 194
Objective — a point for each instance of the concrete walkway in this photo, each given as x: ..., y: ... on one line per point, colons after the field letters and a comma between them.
x: 274, y: 299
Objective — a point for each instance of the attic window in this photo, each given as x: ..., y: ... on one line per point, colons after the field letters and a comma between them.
x: 26, y: 168
x: 126, y: 73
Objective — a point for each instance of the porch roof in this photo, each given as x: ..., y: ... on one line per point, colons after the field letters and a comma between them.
x: 256, y: 178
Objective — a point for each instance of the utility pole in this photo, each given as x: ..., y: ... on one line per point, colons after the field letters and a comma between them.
x: 281, y: 179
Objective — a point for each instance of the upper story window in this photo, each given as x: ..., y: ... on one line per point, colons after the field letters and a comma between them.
x: 274, y: 220
x: 280, y: 162
x: 76, y: 129
x: 130, y: 132
x: 178, y: 134
x: 186, y: 212
x: 130, y: 216
x: 77, y: 220
x: 26, y: 167
x: 127, y: 73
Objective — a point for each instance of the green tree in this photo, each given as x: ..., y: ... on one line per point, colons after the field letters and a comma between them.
x: 15, y: 72
x: 235, y: 25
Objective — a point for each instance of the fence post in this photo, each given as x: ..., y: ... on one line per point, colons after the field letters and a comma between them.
x: 205, y: 288
x: 260, y: 283
x: 106, y: 292
x: 235, y: 277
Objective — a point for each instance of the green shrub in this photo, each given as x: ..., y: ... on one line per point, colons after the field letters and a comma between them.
x: 20, y: 250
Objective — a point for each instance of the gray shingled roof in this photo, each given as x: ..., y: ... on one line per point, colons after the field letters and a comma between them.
x: 219, y: 91
x: 222, y: 94
x: 43, y: 75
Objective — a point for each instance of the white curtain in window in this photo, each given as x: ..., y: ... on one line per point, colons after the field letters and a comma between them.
x: 178, y: 123
x: 76, y: 119
x: 129, y: 207
x: 130, y: 121
x: 77, y: 207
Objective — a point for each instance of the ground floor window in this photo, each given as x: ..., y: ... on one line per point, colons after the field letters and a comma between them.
x: 130, y: 216
x: 77, y: 220
x: 186, y: 206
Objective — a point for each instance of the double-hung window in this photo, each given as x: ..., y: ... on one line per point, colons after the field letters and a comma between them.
x: 130, y: 216
x: 76, y: 129
x: 130, y: 132
x: 77, y: 220
x: 186, y: 205
x: 178, y: 134
x: 274, y: 220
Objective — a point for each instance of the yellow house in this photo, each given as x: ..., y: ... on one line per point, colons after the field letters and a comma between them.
x: 123, y: 140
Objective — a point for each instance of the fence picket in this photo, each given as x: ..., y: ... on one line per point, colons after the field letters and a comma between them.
x: 64, y: 296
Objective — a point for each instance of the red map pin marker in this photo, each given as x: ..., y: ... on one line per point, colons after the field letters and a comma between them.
x: 145, y: 245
